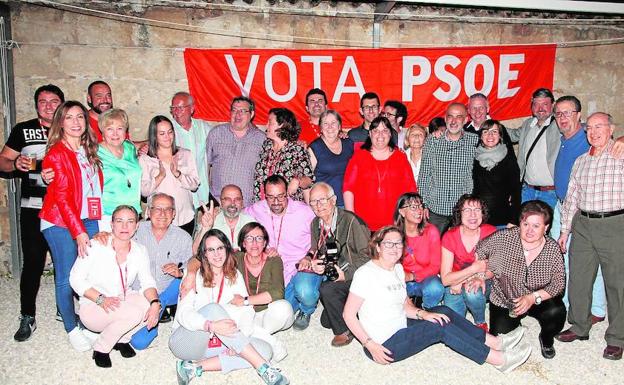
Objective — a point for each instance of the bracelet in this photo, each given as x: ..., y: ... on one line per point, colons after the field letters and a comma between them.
x: 154, y: 301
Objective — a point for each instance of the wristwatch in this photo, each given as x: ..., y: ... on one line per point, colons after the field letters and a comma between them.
x: 538, y: 298
x: 246, y: 301
x: 99, y: 300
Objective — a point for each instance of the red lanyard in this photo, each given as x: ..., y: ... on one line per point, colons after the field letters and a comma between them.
x: 124, y: 283
x: 323, y: 236
x: 88, y: 170
x: 279, y: 235
x: 247, y: 275
x: 220, y: 290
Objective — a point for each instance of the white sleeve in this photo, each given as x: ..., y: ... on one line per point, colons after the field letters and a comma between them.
x: 79, y: 274
x: 186, y: 315
x: 144, y: 271
x: 359, y: 285
x: 239, y: 286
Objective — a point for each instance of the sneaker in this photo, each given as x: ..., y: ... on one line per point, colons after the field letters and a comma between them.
x: 91, y: 336
x: 279, y: 352
x: 272, y: 376
x: 166, y: 317
x: 302, y: 321
x: 78, y: 340
x: 26, y: 328
x: 511, y: 339
x: 186, y: 371
x: 58, y: 316
x: 514, y: 358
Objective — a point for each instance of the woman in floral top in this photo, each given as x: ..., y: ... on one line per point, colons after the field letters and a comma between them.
x: 281, y: 154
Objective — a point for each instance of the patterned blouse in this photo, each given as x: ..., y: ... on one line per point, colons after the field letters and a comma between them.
x: 512, y: 277
x: 290, y: 162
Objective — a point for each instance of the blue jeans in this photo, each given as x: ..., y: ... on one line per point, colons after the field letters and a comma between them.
x: 459, y: 335
x: 303, y: 291
x: 64, y: 252
x: 430, y: 289
x: 599, y: 298
x: 144, y: 337
x: 475, y: 302
x: 548, y: 197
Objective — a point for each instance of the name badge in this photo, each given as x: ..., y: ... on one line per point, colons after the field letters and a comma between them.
x: 214, y: 342
x: 94, y: 207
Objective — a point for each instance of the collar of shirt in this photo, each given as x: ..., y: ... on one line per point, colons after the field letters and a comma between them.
x: 546, y: 122
x: 334, y: 221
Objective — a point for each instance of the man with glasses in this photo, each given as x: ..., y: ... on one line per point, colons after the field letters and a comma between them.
x: 233, y: 149
x: 229, y: 218
x: 479, y: 112
x: 446, y: 169
x: 350, y: 234
x: 169, y: 249
x: 396, y: 113
x: 288, y: 223
x: 369, y: 110
x: 191, y: 134
x: 316, y: 104
x: 539, y: 140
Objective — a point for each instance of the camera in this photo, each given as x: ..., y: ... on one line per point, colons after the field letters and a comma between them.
x: 331, y: 257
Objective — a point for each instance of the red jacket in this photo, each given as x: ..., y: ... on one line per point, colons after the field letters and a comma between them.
x: 63, y: 201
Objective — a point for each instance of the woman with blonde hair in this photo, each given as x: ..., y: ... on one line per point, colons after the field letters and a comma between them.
x: 414, y: 143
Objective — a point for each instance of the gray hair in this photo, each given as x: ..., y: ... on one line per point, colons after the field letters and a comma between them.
x: 151, y: 198
x: 186, y: 94
x: 327, y: 187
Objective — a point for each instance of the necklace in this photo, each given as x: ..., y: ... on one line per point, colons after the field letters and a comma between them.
x: 380, y: 177
x: 527, y: 251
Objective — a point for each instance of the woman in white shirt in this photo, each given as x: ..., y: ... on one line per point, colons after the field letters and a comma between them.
x: 102, y: 279
x: 392, y: 329
x: 212, y: 334
x: 414, y: 143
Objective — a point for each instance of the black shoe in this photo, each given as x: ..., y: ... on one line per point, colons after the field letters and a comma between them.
x: 125, y: 350
x: 547, y: 351
x: 166, y: 317
x: 26, y: 328
x: 172, y: 310
x: 102, y: 359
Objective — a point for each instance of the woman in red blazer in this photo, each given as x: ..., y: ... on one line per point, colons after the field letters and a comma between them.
x: 72, y: 205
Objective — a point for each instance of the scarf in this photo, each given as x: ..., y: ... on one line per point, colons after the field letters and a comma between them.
x: 488, y: 158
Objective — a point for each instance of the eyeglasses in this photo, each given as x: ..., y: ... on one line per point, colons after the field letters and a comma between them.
x: 413, y: 207
x: 320, y: 201
x: 218, y: 249
x: 162, y: 210
x: 257, y: 239
x: 374, y: 107
x: 391, y: 245
x: 468, y: 210
x: 490, y: 132
x: 278, y: 198
x: 386, y: 114
x: 567, y: 114
x: 173, y: 108
x: 242, y: 111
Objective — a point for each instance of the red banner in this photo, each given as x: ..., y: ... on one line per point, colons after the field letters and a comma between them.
x: 425, y: 80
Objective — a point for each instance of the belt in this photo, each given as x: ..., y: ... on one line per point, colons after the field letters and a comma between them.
x: 602, y: 215
x: 541, y: 188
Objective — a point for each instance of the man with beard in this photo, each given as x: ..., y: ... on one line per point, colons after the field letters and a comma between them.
x: 23, y: 153
x: 316, y: 104
x: 100, y: 99
x: 229, y: 219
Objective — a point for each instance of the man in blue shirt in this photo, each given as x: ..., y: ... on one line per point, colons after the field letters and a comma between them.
x: 573, y: 144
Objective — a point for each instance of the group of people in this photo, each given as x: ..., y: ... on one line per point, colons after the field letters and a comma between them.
x: 245, y: 231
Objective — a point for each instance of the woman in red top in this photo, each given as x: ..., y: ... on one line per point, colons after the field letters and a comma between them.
x: 421, y: 258
x: 458, y: 264
x: 376, y: 176
x: 73, y: 204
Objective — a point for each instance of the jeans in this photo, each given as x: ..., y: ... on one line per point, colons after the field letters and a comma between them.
x: 144, y: 337
x: 64, y: 252
x: 549, y: 197
x: 459, y: 335
x: 475, y: 302
x: 599, y: 298
x: 430, y: 289
x: 303, y: 291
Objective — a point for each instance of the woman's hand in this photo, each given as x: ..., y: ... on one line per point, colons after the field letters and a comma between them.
x: 83, y: 242
x: 455, y: 289
x: 110, y: 304
x: 172, y: 269
x: 479, y: 266
x: 237, y: 300
x: 271, y: 252
x: 187, y: 284
x: 102, y: 237
x: 473, y: 285
x: 293, y: 186
x: 409, y: 276
x: 523, y: 304
x: 152, y: 315
x: 174, y: 167
x: 161, y: 171
x: 380, y: 353
x: 225, y: 327
x: 438, y: 318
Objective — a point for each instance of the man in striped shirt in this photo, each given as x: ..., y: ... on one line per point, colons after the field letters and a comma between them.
x: 593, y: 211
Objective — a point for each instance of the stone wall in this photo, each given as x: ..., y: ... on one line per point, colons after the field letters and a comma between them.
x: 143, y: 63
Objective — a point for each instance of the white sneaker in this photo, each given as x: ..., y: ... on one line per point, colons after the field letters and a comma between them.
x: 279, y: 352
x: 514, y: 358
x: 511, y: 339
x: 78, y: 340
x: 91, y: 336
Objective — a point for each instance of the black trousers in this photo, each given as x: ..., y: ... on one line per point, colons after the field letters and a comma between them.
x: 34, y: 249
x: 334, y: 296
x: 551, y: 315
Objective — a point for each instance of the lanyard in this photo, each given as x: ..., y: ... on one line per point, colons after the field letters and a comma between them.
x: 220, y: 290
x: 324, y: 235
x: 89, y: 171
x: 124, y: 282
x: 247, y: 275
x: 279, y: 235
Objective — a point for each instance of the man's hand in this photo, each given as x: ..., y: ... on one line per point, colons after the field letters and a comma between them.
x: 47, y: 174
x: 304, y: 264
x: 152, y: 316
x: 317, y: 266
x: 271, y: 252
x: 102, y: 237
x: 172, y: 269
x: 617, y: 151
x: 523, y: 304
x: 208, y: 215
x: 563, y: 242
